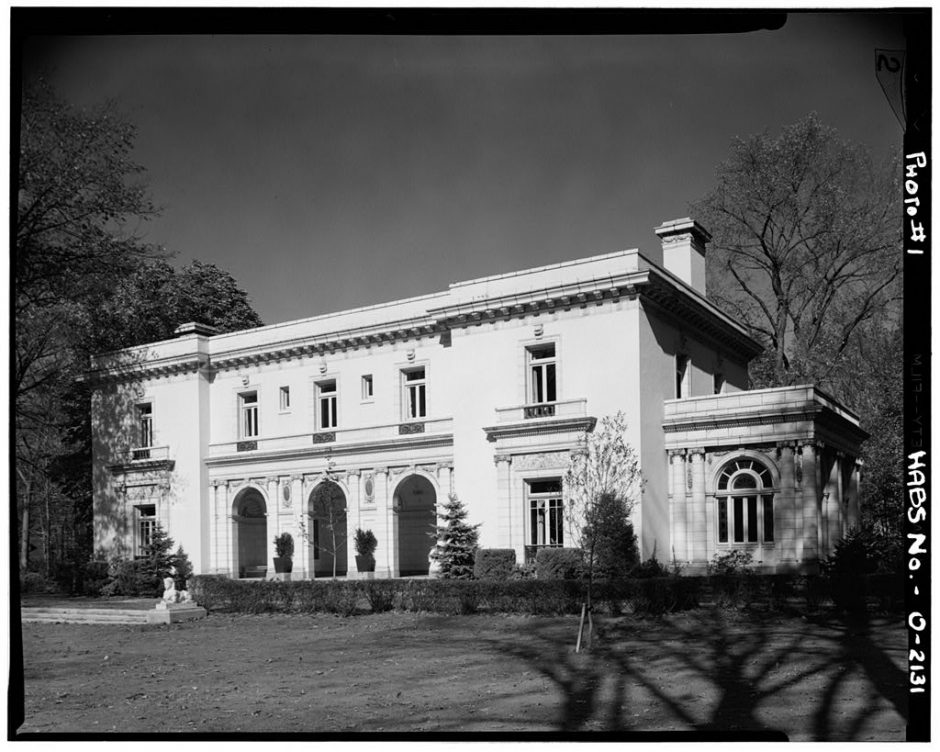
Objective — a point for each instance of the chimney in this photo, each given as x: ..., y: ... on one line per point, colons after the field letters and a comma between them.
x: 684, y: 250
x: 194, y: 327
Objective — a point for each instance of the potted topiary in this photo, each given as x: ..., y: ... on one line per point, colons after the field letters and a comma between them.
x: 284, y: 550
x: 365, y: 548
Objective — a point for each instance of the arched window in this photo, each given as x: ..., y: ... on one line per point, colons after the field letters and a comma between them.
x: 745, y: 498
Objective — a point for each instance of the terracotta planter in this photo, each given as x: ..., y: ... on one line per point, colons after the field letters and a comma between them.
x: 365, y: 563
x: 283, y: 564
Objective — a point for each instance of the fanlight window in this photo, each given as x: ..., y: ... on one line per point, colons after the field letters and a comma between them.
x: 745, y: 503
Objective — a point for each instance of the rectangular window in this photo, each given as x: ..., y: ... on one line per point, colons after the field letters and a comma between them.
x: 415, y: 394
x: 367, y: 387
x: 145, y: 425
x: 249, y: 415
x: 546, y: 513
x: 682, y: 372
x: 768, y: 518
x: 284, y: 399
x: 326, y: 396
x: 146, y: 524
x: 750, y: 519
x: 542, y: 382
x: 737, y: 504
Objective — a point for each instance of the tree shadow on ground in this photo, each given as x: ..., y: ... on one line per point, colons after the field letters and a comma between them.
x: 719, y: 671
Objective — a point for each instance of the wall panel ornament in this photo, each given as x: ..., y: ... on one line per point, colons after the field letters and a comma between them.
x: 541, y: 461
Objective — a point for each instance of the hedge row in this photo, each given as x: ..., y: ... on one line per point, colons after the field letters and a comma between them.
x: 536, y: 597
x: 654, y: 595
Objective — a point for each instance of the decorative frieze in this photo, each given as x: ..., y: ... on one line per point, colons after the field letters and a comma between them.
x: 540, y: 461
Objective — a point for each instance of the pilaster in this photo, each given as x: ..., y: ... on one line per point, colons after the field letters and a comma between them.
x: 678, y: 506
x: 699, y: 532
x: 506, y: 524
x: 810, y: 503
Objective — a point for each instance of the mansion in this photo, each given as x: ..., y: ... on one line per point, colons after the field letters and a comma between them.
x: 481, y: 390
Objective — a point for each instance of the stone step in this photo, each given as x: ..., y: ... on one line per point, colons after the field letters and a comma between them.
x: 84, y: 615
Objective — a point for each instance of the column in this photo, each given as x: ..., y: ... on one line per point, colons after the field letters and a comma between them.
x: 352, y: 522
x: 218, y: 529
x: 385, y: 553
x: 505, y: 530
x: 298, y: 515
x: 273, y: 526
x: 699, y: 532
x: 229, y: 555
x: 851, y: 508
x: 809, y: 504
x: 678, y: 506
x: 788, y: 525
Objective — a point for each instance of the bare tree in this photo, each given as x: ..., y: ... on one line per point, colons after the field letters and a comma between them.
x: 602, y: 484
x: 328, y: 514
x: 805, y: 235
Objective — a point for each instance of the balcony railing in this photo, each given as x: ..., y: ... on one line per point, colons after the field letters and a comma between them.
x: 402, y: 431
x: 146, y: 454
x: 574, y: 408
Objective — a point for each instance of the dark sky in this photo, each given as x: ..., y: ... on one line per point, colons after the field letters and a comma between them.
x: 329, y: 172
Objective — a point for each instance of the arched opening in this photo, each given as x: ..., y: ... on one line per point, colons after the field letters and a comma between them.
x: 745, y: 497
x: 415, y: 502
x: 250, y: 521
x: 326, y: 533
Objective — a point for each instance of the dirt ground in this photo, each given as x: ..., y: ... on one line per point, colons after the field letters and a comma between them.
x: 707, y: 670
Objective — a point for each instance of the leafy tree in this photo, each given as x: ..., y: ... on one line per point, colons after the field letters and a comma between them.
x: 805, y: 239
x: 84, y: 282
x: 456, y: 541
x: 602, y: 482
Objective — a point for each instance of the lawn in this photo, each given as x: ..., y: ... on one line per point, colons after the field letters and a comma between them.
x: 706, y: 670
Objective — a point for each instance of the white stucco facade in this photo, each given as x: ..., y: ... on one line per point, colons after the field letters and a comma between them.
x: 481, y: 390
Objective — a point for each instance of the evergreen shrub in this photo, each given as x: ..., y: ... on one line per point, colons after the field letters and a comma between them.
x: 559, y: 564
x: 494, y: 563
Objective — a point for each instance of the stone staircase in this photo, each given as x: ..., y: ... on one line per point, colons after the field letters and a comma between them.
x: 83, y: 615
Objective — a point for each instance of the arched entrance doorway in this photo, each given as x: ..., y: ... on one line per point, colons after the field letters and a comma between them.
x: 326, y: 534
x: 250, y: 523
x: 415, y: 501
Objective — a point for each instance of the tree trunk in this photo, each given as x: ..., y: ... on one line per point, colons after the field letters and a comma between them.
x: 24, y: 544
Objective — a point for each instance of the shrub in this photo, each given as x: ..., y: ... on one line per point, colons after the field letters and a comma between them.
x: 456, y: 541
x: 614, y: 542
x: 284, y: 546
x: 559, y: 564
x: 96, y: 577
x: 731, y: 563
x: 34, y: 582
x: 182, y: 569
x: 380, y: 594
x: 649, y: 568
x: 156, y: 565
x: 341, y: 598
x: 494, y: 563
x: 123, y: 578
x: 366, y: 542
x: 524, y: 571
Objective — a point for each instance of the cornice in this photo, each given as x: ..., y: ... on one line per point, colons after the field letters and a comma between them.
x: 539, y: 427
x: 181, y: 364
x: 328, y: 343
x: 141, y: 466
